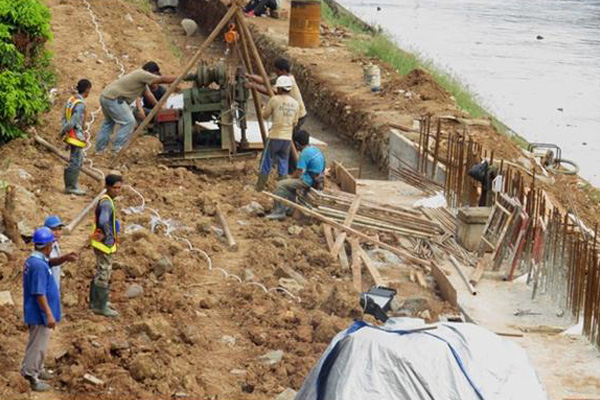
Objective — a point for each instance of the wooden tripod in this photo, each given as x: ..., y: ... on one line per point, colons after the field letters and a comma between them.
x: 250, y: 53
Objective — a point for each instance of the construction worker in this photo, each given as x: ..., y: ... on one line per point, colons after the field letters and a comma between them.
x: 309, y: 174
x: 41, y: 308
x: 73, y: 133
x: 54, y: 223
x: 149, y: 100
x: 284, y: 112
x: 282, y: 67
x: 115, y: 101
x: 104, y: 241
x: 258, y: 8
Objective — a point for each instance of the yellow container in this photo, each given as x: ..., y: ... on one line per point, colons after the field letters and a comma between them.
x: 305, y: 23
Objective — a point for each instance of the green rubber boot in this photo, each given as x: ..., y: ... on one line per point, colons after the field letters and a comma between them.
x: 262, y: 182
x: 71, y: 187
x: 283, y: 177
x: 99, y: 302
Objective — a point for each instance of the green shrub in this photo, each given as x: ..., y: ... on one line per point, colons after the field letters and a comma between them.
x: 25, y: 75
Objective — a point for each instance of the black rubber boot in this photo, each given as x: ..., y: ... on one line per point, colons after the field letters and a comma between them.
x: 262, y: 182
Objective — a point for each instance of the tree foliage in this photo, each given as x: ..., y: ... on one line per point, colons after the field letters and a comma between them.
x: 25, y: 75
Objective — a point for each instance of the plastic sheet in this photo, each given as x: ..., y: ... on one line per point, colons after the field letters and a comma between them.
x: 455, y: 361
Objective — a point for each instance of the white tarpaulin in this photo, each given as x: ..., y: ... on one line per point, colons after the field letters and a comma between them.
x: 455, y: 361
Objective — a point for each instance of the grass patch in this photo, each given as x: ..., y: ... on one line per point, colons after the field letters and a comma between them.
x: 143, y: 6
x: 175, y: 50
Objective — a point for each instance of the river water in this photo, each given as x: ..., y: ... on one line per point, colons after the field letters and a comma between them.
x: 546, y: 90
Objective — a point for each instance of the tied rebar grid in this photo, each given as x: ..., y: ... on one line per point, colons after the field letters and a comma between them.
x: 560, y: 260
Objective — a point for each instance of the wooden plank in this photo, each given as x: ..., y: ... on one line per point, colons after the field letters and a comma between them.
x: 335, y: 224
x: 479, y: 269
x: 421, y: 279
x: 343, y: 257
x: 344, y: 178
x: 339, y: 241
x: 230, y: 239
x: 356, y: 265
x: 377, y: 278
x: 447, y: 289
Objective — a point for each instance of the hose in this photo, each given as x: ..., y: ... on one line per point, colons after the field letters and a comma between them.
x: 560, y: 162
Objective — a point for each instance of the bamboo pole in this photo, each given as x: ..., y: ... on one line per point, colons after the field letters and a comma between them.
x: 230, y: 239
x: 349, y: 230
x: 77, y: 220
x: 339, y: 241
x: 255, y: 95
x: 213, y: 35
x: 261, y: 69
x: 63, y: 157
x: 462, y: 274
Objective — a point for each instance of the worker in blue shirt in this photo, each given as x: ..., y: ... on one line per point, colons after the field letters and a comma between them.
x: 310, y: 173
x: 41, y: 308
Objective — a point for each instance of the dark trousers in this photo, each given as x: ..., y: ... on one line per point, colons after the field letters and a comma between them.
x: 260, y: 6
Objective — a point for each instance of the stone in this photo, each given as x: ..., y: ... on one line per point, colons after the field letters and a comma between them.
x: 134, y: 291
x: 155, y: 328
x: 228, y: 340
x: 7, y: 248
x: 189, y: 26
x: 248, y: 275
x: 93, y: 380
x: 425, y: 315
x: 6, y: 299
x: 305, y: 333
x: 208, y: 303
x: 287, y: 272
x: 119, y: 345
x: 143, y: 367
x: 272, y: 357
x: 189, y: 336
x: 290, y: 284
x: 287, y: 394
x: 238, y: 371
x: 294, y: 230
x: 414, y: 305
x: 132, y: 270
x: 279, y: 242
x: 163, y: 266
x: 254, y: 208
x: 128, y: 17
x: 70, y: 300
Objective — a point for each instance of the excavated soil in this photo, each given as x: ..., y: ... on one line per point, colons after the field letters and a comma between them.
x: 194, y: 331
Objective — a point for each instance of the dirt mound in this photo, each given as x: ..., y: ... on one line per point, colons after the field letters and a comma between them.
x: 422, y: 83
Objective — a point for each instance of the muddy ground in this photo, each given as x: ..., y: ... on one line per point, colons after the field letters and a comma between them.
x: 193, y: 331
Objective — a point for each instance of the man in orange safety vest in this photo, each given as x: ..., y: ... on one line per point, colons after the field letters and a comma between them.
x: 73, y: 134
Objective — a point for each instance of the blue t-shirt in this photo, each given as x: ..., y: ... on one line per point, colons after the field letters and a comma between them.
x: 38, y: 280
x: 312, y: 162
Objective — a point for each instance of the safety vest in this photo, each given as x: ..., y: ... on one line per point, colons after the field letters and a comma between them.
x: 71, y: 135
x: 99, y: 245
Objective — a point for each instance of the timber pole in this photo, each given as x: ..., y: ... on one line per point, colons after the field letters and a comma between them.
x: 213, y: 35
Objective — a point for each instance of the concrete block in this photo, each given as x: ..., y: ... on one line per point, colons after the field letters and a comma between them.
x: 470, y: 224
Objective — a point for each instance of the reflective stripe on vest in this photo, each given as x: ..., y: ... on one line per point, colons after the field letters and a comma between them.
x: 99, y: 245
x: 71, y: 136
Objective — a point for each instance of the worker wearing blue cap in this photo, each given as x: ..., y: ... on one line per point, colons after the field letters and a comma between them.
x: 54, y: 223
x: 41, y: 308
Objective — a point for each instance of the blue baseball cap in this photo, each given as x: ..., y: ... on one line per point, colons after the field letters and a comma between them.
x: 53, y: 222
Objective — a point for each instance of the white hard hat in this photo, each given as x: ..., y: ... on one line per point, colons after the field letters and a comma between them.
x: 284, y: 82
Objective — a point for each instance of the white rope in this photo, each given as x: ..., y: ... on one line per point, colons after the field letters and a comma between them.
x: 171, y: 226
